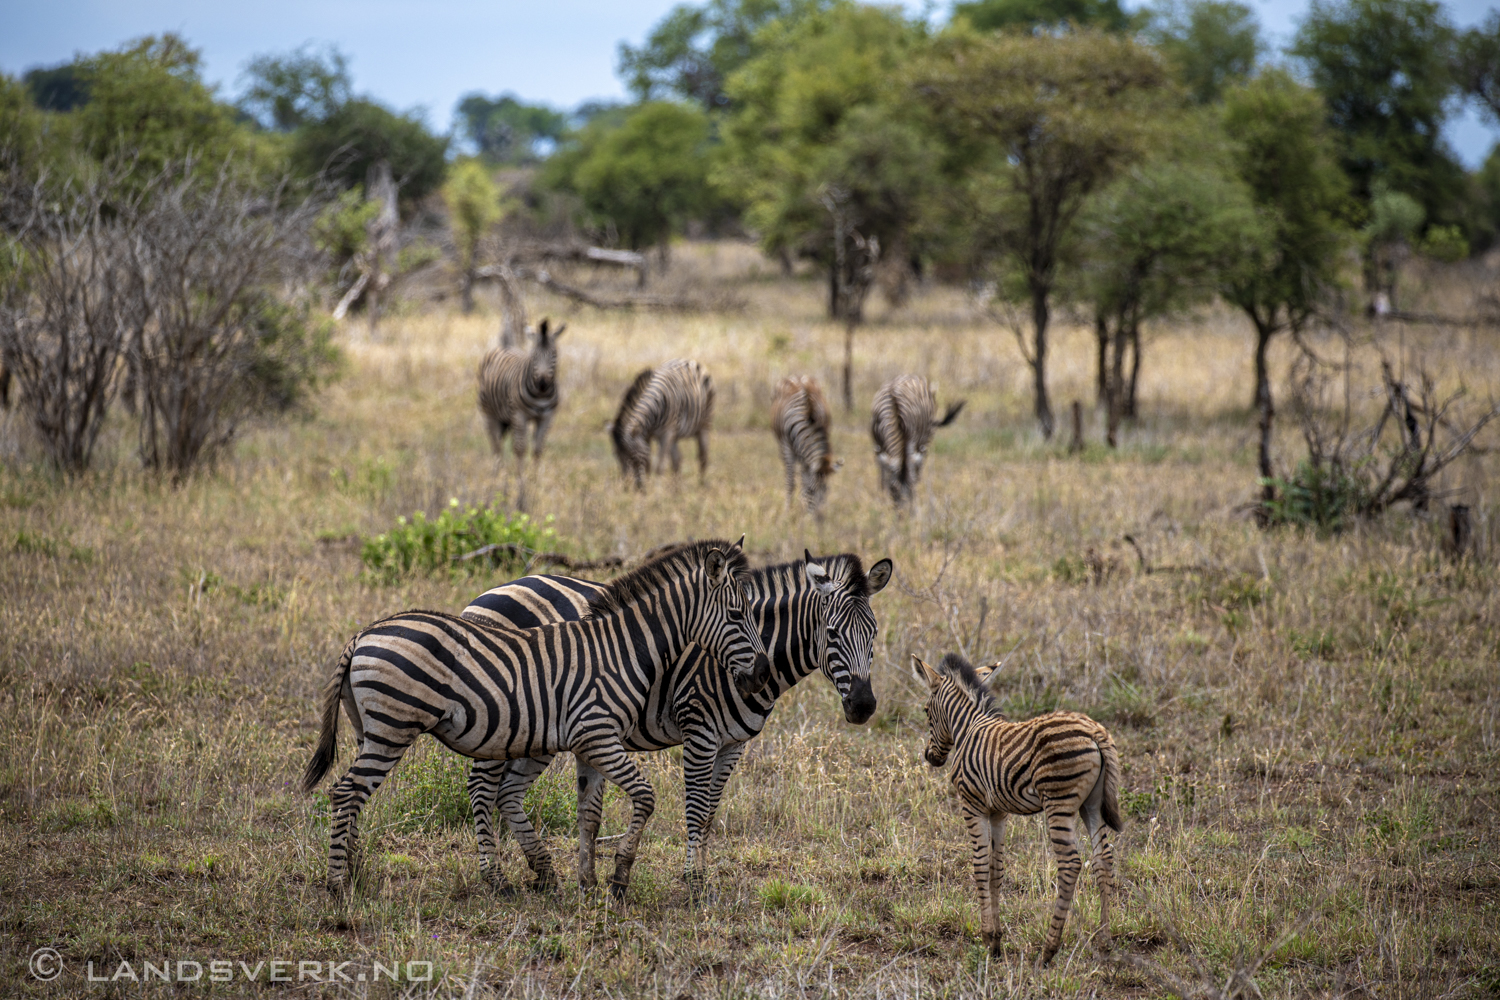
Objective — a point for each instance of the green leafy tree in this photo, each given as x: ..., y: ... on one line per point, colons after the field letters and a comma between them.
x: 1477, y: 65
x: 57, y: 88
x: 20, y: 133
x: 691, y: 52
x: 1155, y: 241
x: 1384, y: 70
x: 283, y: 92
x: 148, y: 102
x: 1210, y: 43
x: 1042, y: 16
x: 1045, y: 121
x: 360, y: 133
x: 642, y: 177
x: 506, y: 130
x: 474, y: 205
x: 1282, y: 151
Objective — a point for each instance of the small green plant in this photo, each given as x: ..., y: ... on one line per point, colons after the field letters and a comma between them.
x: 781, y: 895
x: 1126, y: 703
x: 417, y: 545
x: 1316, y: 496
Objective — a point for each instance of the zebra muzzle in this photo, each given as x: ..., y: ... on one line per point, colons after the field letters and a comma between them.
x: 757, y: 677
x: 859, y: 703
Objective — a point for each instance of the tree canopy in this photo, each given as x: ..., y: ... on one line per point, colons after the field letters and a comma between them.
x: 360, y: 133
x: 301, y: 87
x: 507, y: 130
x: 1042, y: 15
x: 1210, y: 43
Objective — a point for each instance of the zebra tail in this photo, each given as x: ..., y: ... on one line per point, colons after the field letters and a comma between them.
x: 952, y: 413
x: 328, y: 740
x: 1110, y: 807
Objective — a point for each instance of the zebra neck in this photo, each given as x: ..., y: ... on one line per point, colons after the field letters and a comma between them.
x: 655, y: 628
x: 962, y: 714
x: 783, y: 601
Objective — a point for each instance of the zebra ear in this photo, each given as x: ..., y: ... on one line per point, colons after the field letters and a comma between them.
x: 922, y: 672
x: 714, y: 562
x: 741, y: 543
x: 989, y: 674
x: 558, y: 332
x: 879, y: 576
x: 817, y: 575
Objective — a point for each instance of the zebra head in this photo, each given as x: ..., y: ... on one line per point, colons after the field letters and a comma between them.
x: 850, y: 628
x: 541, y: 367
x: 728, y: 632
x: 956, y: 694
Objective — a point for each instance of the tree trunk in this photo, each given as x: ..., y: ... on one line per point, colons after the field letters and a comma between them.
x: 512, y: 310
x: 1039, y: 362
x: 833, y: 289
x: 849, y: 365
x: 1101, y: 371
x: 466, y: 290
x: 1130, y: 412
x: 1264, y: 408
x: 1116, y: 388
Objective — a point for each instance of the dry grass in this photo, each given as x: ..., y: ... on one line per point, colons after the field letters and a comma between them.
x: 1308, y: 724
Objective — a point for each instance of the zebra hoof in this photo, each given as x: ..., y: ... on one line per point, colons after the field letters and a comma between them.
x: 617, y: 889
x: 1045, y: 958
x: 547, y: 884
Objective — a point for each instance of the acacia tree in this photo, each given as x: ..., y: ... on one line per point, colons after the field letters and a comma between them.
x: 1282, y: 152
x: 1045, y: 121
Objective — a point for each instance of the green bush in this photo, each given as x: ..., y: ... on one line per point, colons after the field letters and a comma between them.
x: 417, y: 545
x: 1316, y: 496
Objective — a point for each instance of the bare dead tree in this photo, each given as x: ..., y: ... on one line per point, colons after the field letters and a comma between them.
x: 219, y: 347
x: 69, y: 303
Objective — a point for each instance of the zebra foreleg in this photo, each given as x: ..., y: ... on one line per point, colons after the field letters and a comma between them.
x: 590, y: 813
x: 981, y: 846
x: 699, y: 754
x: 518, y: 446
x: 484, y: 789
x: 703, y: 455
x: 723, y: 766
x: 610, y: 758
x: 518, y: 778
x: 539, y: 436
x: 347, y: 798
x: 789, y: 461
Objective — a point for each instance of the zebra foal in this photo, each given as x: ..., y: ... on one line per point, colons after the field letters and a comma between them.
x: 799, y: 419
x: 901, y: 422
x: 494, y: 694
x: 1063, y: 764
x: 663, y: 405
x: 813, y: 615
x: 519, y: 388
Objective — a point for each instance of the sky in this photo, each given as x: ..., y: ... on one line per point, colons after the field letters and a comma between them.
x: 427, y: 55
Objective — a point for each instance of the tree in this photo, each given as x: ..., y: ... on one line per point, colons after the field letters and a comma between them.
x: 304, y: 86
x: 1042, y: 16
x: 361, y: 133
x: 60, y: 88
x: 1210, y: 43
x: 826, y: 150
x: 1384, y: 70
x: 642, y: 177
x: 1156, y: 241
x: 1047, y: 120
x: 505, y: 130
x: 1282, y: 151
x: 474, y: 205
x: 1477, y: 65
x: 692, y: 51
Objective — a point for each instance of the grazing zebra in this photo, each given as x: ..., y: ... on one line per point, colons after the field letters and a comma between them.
x: 1061, y: 763
x: 799, y: 417
x: 674, y: 401
x: 902, y: 425
x: 813, y: 615
x: 519, y: 388
x: 495, y: 694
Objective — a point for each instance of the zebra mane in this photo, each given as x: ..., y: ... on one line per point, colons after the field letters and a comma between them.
x: 616, y: 429
x: 650, y: 577
x: 962, y: 673
x: 847, y: 563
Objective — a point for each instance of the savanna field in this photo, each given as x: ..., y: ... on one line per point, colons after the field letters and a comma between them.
x: 1307, y: 722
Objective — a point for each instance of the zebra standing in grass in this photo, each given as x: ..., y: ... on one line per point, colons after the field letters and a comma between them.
x: 1061, y: 763
x: 674, y: 401
x: 902, y: 424
x: 519, y: 388
x: 799, y: 418
x: 495, y: 694
x: 813, y: 614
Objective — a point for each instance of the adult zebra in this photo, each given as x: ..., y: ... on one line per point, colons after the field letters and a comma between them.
x: 902, y: 422
x: 799, y: 419
x: 495, y: 694
x: 520, y: 388
x: 671, y: 402
x: 813, y: 614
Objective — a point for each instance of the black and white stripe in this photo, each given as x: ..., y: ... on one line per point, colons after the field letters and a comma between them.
x: 1063, y: 764
x: 663, y: 405
x: 799, y: 419
x: 499, y: 694
x: 813, y: 614
x: 902, y: 422
x: 519, y: 388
